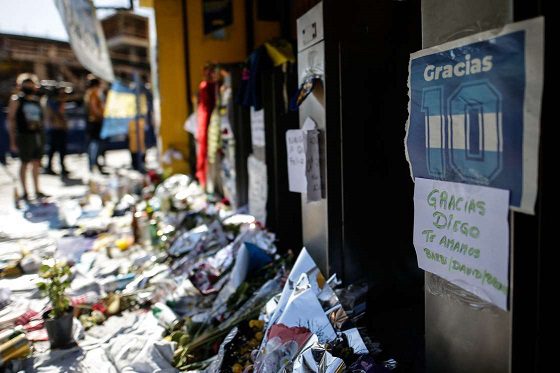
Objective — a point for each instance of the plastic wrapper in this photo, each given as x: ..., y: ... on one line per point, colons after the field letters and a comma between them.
x: 69, y: 213
x: 188, y: 241
x: 235, y: 352
x: 30, y: 263
x: 249, y: 259
x: 5, y: 297
x: 165, y: 191
x: 223, y: 351
x: 303, y: 264
x: 264, y: 240
x: 124, y: 205
x: 315, y: 359
x: 114, y: 283
x: 196, y: 239
x: 165, y: 316
x: 281, y: 347
x: 352, y: 295
x: 304, y: 309
x: 327, y: 295
x: 366, y: 364
x: 355, y: 341
x: 338, y: 317
x: 256, y: 301
x: 72, y: 248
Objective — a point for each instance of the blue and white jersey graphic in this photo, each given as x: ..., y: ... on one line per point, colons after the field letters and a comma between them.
x: 475, y: 111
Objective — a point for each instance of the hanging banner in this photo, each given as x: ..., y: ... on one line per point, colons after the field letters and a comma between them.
x: 120, y: 110
x: 474, y: 110
x: 217, y: 14
x: 86, y: 36
x: 461, y: 234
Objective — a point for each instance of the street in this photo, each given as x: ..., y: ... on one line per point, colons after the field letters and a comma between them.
x: 74, y: 185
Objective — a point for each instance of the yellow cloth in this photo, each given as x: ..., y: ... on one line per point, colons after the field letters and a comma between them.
x: 132, y: 144
x: 280, y: 51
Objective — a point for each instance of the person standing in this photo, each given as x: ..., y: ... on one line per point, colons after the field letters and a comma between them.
x: 93, y: 100
x: 206, y: 103
x: 57, y: 129
x: 25, y: 123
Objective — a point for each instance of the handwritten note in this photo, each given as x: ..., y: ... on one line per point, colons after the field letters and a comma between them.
x: 257, y: 127
x: 304, y: 173
x: 312, y: 167
x: 295, y: 142
x: 258, y: 188
x: 461, y: 234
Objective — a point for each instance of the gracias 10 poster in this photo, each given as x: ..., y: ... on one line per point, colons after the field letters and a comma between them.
x: 474, y: 111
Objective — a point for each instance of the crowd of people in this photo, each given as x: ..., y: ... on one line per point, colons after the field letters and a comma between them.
x: 37, y: 126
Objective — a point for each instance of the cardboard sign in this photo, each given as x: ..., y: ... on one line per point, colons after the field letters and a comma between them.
x: 461, y: 234
x: 475, y: 110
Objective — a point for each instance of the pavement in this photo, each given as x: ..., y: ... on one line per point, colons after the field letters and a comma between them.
x: 74, y: 185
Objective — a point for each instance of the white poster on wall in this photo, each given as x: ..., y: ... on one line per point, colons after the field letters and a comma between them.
x: 475, y: 110
x: 304, y: 173
x: 257, y: 127
x: 295, y: 145
x: 258, y: 188
x: 461, y: 234
x: 312, y: 168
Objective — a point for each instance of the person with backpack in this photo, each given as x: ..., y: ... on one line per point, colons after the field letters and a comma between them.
x: 27, y: 134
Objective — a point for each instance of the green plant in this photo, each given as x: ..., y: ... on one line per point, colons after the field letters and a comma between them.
x: 57, y: 278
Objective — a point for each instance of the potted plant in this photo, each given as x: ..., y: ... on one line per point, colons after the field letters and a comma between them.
x: 58, y: 321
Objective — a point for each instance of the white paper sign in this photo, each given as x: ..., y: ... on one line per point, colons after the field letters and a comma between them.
x: 304, y: 173
x: 257, y: 127
x: 312, y: 168
x: 258, y: 188
x: 295, y: 143
x: 475, y: 110
x: 461, y: 234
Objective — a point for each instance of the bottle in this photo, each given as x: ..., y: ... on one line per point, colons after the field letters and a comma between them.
x: 8, y: 334
x: 154, y: 232
x: 14, y: 347
x: 134, y: 225
x: 16, y: 198
x: 149, y: 209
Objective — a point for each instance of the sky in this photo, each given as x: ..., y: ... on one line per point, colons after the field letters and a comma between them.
x: 40, y: 18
